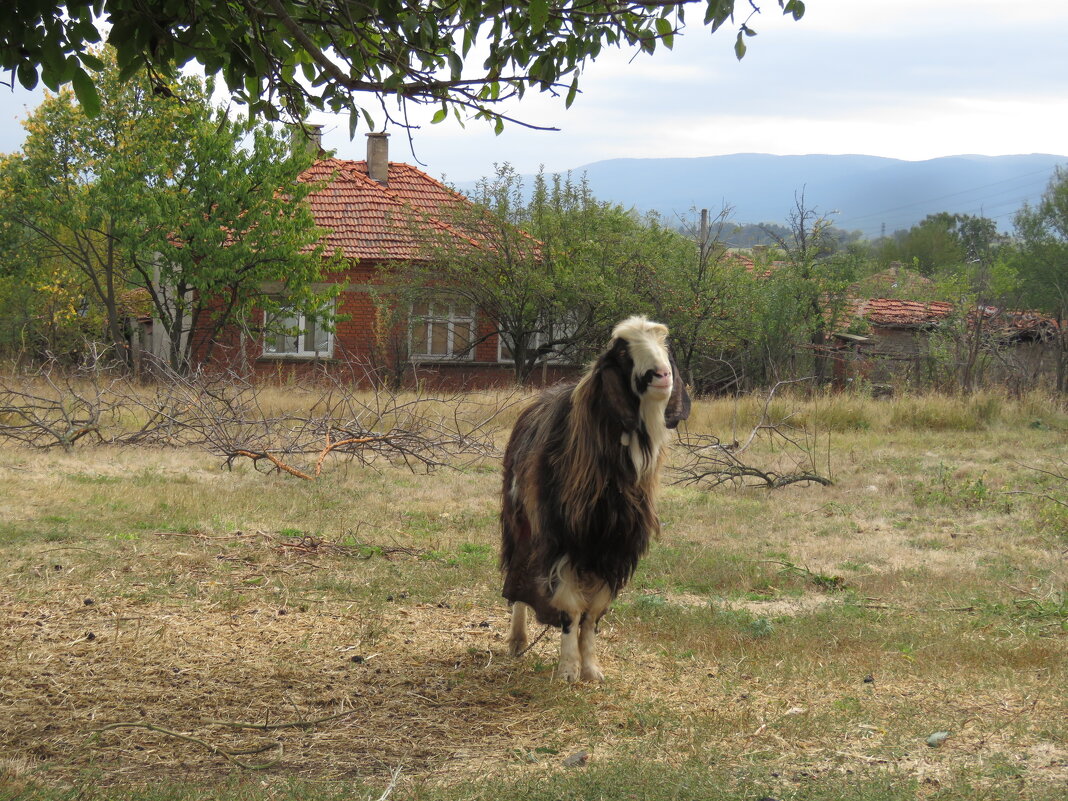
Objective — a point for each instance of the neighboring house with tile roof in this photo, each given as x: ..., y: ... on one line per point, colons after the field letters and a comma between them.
x: 897, y: 342
x: 379, y: 214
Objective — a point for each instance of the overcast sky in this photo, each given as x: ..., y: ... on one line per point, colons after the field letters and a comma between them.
x: 910, y: 79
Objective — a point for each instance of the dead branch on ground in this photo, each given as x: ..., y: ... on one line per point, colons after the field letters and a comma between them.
x: 417, y: 430
x: 54, y: 407
x: 230, y: 754
x: 1059, y: 474
x: 708, y: 462
x: 325, y: 418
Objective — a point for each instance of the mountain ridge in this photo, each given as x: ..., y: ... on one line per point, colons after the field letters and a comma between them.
x: 871, y: 194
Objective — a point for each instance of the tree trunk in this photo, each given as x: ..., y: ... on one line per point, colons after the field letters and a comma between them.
x: 116, y: 321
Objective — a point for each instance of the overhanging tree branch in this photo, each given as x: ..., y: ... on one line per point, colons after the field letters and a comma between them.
x: 285, y: 57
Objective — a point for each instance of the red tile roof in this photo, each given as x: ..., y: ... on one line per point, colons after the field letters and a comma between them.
x: 372, y: 221
x: 1015, y: 321
x: 766, y: 271
x: 913, y: 314
x: 887, y: 312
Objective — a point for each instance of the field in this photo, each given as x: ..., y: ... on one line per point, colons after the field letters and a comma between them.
x: 177, y: 630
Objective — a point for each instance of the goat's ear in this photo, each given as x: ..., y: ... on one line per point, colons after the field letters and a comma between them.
x: 618, y: 398
x: 678, y: 405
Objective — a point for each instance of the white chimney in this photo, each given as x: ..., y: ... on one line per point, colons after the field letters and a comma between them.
x: 378, y: 157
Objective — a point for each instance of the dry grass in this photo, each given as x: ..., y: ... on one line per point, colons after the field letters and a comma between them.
x: 788, y: 639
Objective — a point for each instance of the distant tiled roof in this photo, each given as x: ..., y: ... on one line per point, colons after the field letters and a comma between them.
x: 373, y: 221
x: 913, y: 314
x: 887, y: 312
x: 1019, y: 322
x: 763, y: 272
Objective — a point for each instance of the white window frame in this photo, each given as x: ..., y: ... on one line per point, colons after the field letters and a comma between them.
x: 561, y: 328
x: 435, y: 313
x: 295, y: 345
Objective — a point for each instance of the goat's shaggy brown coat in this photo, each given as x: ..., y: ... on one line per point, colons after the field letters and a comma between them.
x: 581, y: 474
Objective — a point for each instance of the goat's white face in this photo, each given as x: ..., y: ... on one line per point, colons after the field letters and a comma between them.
x: 647, y: 346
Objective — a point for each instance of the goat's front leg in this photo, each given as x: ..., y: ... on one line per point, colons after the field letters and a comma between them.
x: 570, y: 667
x: 591, y: 670
x: 517, y: 637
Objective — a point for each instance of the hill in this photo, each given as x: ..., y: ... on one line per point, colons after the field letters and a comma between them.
x: 869, y: 194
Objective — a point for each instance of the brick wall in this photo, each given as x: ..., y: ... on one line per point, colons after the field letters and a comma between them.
x: 358, y: 354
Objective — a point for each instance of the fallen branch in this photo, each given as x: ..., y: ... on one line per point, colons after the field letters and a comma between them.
x: 290, y: 724
x: 394, y: 776
x: 278, y: 463
x: 1041, y: 495
x: 710, y: 463
x: 226, y: 414
x: 228, y: 753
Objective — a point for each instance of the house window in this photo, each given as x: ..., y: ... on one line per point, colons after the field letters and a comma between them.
x: 292, y: 333
x: 442, y: 330
x: 562, y: 330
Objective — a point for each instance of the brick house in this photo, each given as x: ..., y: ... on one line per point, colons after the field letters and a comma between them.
x: 373, y: 211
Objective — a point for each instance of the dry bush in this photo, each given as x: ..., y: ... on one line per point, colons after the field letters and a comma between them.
x: 50, y: 407
x: 709, y: 462
x: 238, y: 418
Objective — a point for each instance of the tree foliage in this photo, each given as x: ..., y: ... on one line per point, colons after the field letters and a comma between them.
x: 802, y: 298
x: 163, y: 207
x: 944, y: 241
x: 703, y: 293
x: 548, y: 265
x: 287, y: 56
x: 1041, y: 261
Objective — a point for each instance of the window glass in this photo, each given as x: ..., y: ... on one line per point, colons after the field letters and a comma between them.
x: 291, y: 333
x: 439, y: 338
x: 461, y: 336
x: 441, y: 330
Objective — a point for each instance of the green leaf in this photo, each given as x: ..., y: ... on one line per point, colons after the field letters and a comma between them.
x: 718, y: 12
x: 456, y: 64
x: 666, y: 31
x: 739, y: 46
x: 85, y: 91
x: 571, y: 93
x: 795, y: 7
x: 92, y: 61
x: 539, y: 15
x: 439, y: 115
x: 27, y: 75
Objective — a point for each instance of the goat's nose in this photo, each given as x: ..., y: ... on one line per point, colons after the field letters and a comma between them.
x: 661, y: 377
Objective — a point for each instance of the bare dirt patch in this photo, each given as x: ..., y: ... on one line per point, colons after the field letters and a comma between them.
x: 421, y: 686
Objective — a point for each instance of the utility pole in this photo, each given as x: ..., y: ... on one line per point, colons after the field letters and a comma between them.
x: 702, y: 237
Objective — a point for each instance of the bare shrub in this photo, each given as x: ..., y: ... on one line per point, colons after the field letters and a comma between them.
x: 708, y: 462
x: 53, y: 406
x: 235, y: 418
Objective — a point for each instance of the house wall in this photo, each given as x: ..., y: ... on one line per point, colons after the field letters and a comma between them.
x: 896, y: 355
x: 359, y: 356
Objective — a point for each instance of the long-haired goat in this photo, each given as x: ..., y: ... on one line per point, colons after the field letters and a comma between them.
x: 581, y: 473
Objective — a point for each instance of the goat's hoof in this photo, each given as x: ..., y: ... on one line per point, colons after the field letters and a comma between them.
x: 592, y: 673
x: 568, y: 672
x: 517, y: 646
